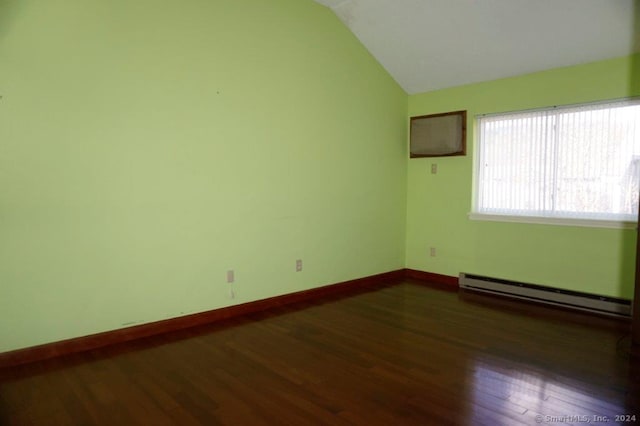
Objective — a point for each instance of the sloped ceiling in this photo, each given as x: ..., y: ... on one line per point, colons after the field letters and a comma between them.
x: 433, y: 44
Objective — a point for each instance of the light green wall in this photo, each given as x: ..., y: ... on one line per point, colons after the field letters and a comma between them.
x: 593, y: 260
x: 148, y: 146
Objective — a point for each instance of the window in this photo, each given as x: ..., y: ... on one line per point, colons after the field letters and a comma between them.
x: 573, y: 164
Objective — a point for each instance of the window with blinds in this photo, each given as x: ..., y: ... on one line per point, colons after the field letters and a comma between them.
x: 561, y: 164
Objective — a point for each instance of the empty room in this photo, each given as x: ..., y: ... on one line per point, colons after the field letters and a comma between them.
x: 340, y: 212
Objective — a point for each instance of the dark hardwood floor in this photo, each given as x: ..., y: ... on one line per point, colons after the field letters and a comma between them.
x: 404, y: 354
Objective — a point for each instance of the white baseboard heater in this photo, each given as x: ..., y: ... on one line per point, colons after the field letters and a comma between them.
x: 548, y: 295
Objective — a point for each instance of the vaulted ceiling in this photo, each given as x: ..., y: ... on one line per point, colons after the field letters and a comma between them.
x: 432, y: 44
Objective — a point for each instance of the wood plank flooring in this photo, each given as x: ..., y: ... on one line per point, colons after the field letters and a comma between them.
x: 404, y: 354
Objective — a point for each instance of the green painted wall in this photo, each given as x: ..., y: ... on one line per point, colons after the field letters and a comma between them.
x: 594, y: 260
x: 148, y: 146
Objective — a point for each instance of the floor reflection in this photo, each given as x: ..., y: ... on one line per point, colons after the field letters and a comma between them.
x: 508, y: 393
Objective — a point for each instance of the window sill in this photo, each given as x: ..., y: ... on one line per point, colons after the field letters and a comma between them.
x: 590, y: 223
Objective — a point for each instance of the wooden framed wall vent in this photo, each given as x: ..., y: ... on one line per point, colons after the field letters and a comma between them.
x: 438, y: 135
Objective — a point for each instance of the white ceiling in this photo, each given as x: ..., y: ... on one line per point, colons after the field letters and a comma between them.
x: 432, y: 44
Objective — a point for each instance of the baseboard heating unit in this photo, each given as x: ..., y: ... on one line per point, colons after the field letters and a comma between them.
x: 548, y: 295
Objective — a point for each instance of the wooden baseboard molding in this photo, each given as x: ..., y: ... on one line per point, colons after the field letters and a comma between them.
x: 100, y: 340
x: 431, y: 279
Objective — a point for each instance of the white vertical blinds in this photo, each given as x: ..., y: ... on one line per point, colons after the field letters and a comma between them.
x: 578, y: 162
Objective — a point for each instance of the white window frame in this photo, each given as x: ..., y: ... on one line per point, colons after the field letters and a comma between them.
x: 544, y: 217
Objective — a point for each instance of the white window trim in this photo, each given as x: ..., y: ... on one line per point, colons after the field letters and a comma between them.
x: 588, y: 223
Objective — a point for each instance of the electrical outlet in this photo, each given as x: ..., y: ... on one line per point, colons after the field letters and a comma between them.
x: 298, y: 265
x: 432, y: 252
x: 230, y: 276
x: 434, y: 168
